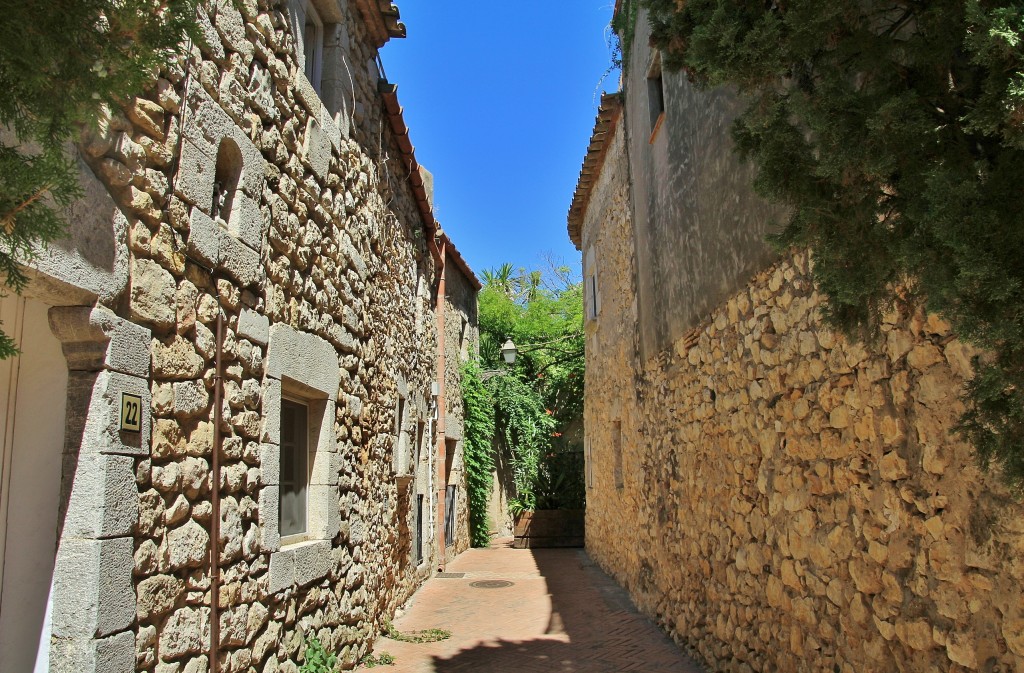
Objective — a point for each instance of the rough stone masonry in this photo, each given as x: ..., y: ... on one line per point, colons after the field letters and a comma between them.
x: 780, y: 498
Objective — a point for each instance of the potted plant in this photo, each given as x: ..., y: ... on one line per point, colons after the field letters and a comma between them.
x: 550, y: 512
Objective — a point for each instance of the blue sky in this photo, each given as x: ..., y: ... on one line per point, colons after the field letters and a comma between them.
x: 500, y: 99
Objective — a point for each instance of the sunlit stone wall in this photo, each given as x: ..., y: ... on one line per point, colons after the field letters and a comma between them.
x: 781, y: 499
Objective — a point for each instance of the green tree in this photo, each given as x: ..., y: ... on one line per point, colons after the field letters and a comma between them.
x: 894, y: 132
x: 541, y: 396
x: 60, y: 63
x: 500, y: 279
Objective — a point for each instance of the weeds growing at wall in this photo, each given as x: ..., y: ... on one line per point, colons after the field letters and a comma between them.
x: 424, y: 636
x: 624, y: 28
x: 382, y: 659
x: 316, y: 659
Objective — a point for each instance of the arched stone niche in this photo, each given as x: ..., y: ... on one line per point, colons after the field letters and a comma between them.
x: 221, y: 176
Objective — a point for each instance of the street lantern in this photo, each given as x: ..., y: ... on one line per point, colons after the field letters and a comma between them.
x: 508, y: 351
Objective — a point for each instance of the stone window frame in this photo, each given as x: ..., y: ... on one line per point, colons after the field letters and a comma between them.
x: 325, y: 90
x: 227, y: 179
x: 304, y: 367
x: 233, y: 245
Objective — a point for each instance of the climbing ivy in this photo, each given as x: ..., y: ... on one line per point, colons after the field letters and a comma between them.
x: 478, y: 452
x: 525, y: 426
x: 624, y: 28
x: 893, y: 131
x: 538, y: 400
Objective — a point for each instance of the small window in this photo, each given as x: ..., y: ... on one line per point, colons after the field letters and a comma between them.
x: 592, y: 298
x: 295, y: 465
x: 592, y: 306
x: 400, y: 416
x: 419, y: 443
x: 590, y: 463
x: 464, y: 340
x: 617, y: 448
x: 418, y: 545
x: 655, y: 94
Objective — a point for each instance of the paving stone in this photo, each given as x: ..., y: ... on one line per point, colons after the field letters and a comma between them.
x: 561, y: 612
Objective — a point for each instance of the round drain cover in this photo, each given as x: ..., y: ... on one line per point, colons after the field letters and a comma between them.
x: 491, y: 584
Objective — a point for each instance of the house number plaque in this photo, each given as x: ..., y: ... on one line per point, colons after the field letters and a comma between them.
x: 131, y: 412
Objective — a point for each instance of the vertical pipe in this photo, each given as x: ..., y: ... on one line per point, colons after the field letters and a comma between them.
x: 442, y: 406
x: 215, y: 504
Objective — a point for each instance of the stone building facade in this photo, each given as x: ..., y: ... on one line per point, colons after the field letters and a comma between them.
x: 776, y: 496
x: 462, y: 339
x: 239, y: 356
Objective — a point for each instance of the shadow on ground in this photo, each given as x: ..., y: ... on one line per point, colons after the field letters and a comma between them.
x: 593, y: 628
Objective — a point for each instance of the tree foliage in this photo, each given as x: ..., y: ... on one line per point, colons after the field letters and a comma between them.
x: 894, y: 132
x: 60, y: 63
x: 538, y: 399
x: 543, y: 315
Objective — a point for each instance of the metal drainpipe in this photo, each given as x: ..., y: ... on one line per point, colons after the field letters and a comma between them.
x: 215, y: 504
x: 442, y: 480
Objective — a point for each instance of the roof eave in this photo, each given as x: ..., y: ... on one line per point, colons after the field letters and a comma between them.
x: 604, y: 130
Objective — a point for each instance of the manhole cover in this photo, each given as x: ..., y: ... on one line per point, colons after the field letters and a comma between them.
x: 450, y: 576
x: 491, y: 584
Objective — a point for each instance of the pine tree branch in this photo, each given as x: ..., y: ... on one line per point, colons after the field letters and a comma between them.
x: 7, y: 221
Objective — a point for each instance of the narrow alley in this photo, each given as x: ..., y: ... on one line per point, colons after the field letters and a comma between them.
x: 587, y: 336
x: 518, y: 610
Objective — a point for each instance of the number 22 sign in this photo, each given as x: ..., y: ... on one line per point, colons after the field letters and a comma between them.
x: 131, y: 412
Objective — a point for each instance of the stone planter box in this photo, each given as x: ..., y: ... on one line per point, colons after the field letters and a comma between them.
x: 549, y: 528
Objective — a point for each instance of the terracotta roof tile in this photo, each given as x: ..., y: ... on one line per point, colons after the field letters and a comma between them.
x: 382, y: 20
x: 393, y: 110
x: 604, y: 129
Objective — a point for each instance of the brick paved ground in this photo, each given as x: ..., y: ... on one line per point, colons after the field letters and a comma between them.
x: 562, y: 614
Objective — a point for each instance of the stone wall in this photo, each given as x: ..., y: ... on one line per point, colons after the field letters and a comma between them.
x: 781, y: 499
x: 461, y: 342
x: 317, y: 260
x: 688, y: 193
